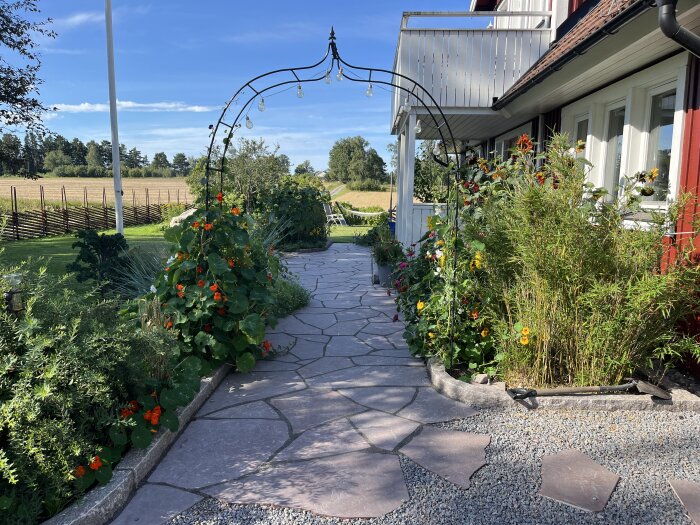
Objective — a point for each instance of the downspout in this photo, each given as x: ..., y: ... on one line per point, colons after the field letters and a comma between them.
x: 672, y: 29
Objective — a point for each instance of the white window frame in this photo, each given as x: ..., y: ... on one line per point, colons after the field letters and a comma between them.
x: 607, y: 179
x: 500, y: 140
x: 577, y: 120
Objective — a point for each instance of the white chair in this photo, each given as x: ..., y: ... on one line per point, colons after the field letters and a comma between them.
x: 333, y: 218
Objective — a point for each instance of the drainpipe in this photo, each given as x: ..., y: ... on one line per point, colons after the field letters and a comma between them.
x: 672, y: 29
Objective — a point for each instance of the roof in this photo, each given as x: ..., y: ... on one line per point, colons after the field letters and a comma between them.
x: 587, y: 28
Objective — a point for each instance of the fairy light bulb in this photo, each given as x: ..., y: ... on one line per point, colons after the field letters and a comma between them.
x: 407, y: 106
x: 369, y: 91
x: 328, y: 78
x: 300, y: 92
x: 436, y: 149
x: 339, y: 76
x: 261, y: 104
x: 248, y: 122
x: 418, y: 128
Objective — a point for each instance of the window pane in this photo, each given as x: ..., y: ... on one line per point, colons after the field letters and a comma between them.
x: 616, y: 127
x: 663, y: 107
x: 581, y: 134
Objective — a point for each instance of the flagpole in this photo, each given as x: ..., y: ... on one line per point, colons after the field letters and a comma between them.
x: 116, y: 163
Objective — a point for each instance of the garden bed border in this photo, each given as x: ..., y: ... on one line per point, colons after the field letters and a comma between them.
x: 103, y: 503
x: 495, y: 395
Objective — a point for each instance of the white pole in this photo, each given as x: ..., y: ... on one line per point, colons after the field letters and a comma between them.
x: 116, y: 163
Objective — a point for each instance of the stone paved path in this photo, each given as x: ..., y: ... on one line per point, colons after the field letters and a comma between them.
x: 321, y: 426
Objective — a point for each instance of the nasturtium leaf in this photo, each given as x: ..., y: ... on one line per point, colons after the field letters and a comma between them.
x: 245, y: 362
x: 5, y: 502
x: 237, y: 303
x: 141, y: 437
x: 203, y: 339
x: 220, y: 351
x: 104, y: 474
x: 518, y: 327
x: 146, y: 401
x: 253, y: 326
x: 168, y: 399
x: 118, y: 436
x: 248, y: 274
x: 217, y: 263
x: 191, y: 364
x: 169, y: 420
x: 88, y: 479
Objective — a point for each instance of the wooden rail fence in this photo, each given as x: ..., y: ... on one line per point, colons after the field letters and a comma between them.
x: 46, y: 221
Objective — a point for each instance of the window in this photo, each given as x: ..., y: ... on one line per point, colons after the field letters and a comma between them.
x: 582, y: 134
x: 663, y: 107
x: 613, y: 156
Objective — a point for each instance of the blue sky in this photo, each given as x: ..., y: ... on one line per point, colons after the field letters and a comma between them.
x: 177, y: 62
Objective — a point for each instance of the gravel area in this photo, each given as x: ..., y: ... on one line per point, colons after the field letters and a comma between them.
x: 643, y: 448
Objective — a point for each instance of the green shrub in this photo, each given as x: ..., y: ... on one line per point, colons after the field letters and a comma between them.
x: 356, y: 220
x: 170, y: 211
x: 369, y: 238
x: 288, y: 296
x: 366, y: 185
x: 100, y: 256
x: 386, y: 250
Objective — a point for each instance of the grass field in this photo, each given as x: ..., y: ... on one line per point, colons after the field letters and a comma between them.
x: 363, y: 199
x: 347, y: 233
x: 28, y: 194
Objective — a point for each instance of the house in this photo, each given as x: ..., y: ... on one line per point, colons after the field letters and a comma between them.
x: 602, y: 71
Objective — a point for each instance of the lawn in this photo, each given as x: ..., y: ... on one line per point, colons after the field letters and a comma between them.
x: 347, y: 233
x: 59, y: 252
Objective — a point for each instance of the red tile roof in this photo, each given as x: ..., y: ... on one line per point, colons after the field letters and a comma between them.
x: 589, y: 25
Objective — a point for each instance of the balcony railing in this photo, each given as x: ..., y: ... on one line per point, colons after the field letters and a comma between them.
x: 468, y: 67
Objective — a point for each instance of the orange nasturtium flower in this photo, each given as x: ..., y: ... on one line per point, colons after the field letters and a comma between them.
x: 222, y: 311
x: 169, y: 324
x: 96, y: 463
x: 220, y: 197
x: 236, y: 210
x: 153, y: 415
x: 180, y: 287
x: 79, y: 471
x: 231, y: 264
x: 195, y: 225
x: 214, y: 287
x: 208, y: 226
x: 217, y: 296
x: 525, y: 331
x: 181, y: 295
x: 540, y: 178
x: 201, y: 283
x: 524, y: 340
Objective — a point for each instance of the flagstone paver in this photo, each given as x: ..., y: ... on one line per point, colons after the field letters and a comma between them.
x: 688, y: 493
x: 337, y: 437
x: 431, y: 407
x: 386, y: 399
x: 383, y: 430
x: 575, y: 479
x: 312, y: 407
x: 156, y: 504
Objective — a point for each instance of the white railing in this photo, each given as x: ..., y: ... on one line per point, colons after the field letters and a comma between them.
x: 467, y: 68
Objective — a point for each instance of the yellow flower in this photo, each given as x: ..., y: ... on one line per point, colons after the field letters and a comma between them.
x: 524, y: 340
x: 430, y: 221
x: 431, y: 335
x: 420, y: 305
x: 442, y: 261
x: 440, y: 242
x: 525, y: 331
x: 484, y: 332
x: 653, y: 173
x: 580, y: 146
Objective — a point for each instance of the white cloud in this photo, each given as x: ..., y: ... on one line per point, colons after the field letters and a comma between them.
x: 79, y: 19
x: 128, y: 105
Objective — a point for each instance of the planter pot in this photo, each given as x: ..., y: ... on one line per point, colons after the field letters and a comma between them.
x: 384, y: 273
x: 392, y: 229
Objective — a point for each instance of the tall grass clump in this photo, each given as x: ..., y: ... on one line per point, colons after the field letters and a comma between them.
x: 572, y: 286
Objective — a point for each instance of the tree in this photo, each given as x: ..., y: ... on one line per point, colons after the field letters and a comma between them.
x: 78, y: 152
x: 181, y: 165
x: 134, y: 159
x: 106, y: 153
x: 54, y: 159
x: 19, y: 66
x: 160, y: 160
x: 429, y: 183
x: 305, y: 168
x: 351, y: 159
x: 93, y: 158
x: 31, y: 154
x: 10, y: 154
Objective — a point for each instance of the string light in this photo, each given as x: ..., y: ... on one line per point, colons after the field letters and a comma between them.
x: 261, y: 104
x: 437, y: 149
x: 418, y: 128
x: 248, y: 122
x: 328, y: 78
x: 369, y: 92
x: 300, y: 92
x: 407, y: 106
x: 339, y: 76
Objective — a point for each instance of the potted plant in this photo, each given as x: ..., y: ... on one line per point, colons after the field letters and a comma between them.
x: 386, y: 252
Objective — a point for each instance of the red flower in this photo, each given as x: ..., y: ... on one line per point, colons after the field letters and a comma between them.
x: 180, y: 287
x: 167, y: 268
x: 134, y: 405
x: 79, y: 471
x: 195, y: 225
x: 524, y: 143
x: 222, y: 311
x: 125, y: 413
x: 231, y: 264
x: 236, y: 211
x: 201, y: 283
x: 269, y: 277
x: 181, y: 295
x: 96, y: 463
x: 220, y: 197
x: 539, y: 176
x: 199, y: 269
x: 169, y: 324
x: 153, y: 415
x: 207, y: 328
x: 208, y: 226
x: 214, y: 287
x: 217, y: 296
x: 267, y: 346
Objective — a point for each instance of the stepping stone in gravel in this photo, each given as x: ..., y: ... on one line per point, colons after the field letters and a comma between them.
x: 233, y: 448
x: 325, y: 365
x: 313, y: 407
x: 155, y: 504
x: 346, y: 327
x: 432, y: 407
x: 354, y: 485
x: 383, y: 430
x: 389, y: 399
x: 688, y: 493
x: 372, y: 376
x: 254, y: 410
x: 237, y: 389
x: 308, y: 349
x: 330, y: 439
x: 318, y: 320
x: 450, y: 454
x: 346, y: 345
x: 575, y: 479
x: 293, y: 326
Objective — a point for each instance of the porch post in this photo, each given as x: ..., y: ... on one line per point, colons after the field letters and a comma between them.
x: 409, y: 161
x: 398, y: 187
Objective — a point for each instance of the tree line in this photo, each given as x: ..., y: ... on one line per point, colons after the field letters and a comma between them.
x: 37, y: 154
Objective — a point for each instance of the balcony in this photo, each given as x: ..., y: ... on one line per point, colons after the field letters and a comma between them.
x: 473, y: 59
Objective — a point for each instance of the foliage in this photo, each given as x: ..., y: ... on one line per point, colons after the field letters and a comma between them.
x: 160, y: 160
x: 386, y: 250
x: 366, y: 185
x: 288, y: 296
x: 55, y: 159
x: 305, y: 168
x: 68, y: 367
x: 371, y: 237
x: 20, y: 63
x: 216, y: 288
x: 299, y: 200
x: 352, y: 219
x: 137, y: 271
x: 431, y: 181
x: 99, y: 257
x: 351, y: 159
x: 170, y: 211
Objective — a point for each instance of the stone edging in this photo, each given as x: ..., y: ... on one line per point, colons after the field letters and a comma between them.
x: 102, y: 503
x: 494, y: 395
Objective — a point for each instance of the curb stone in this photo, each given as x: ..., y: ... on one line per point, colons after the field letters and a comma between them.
x: 102, y: 503
x: 494, y: 395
